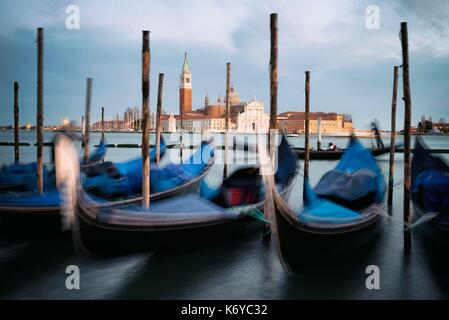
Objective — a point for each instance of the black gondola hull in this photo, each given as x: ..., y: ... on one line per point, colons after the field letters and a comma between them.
x: 435, y: 233
x: 24, y: 223
x: 334, y: 155
x: 100, y: 239
x: 437, y: 229
x: 37, y: 223
x: 103, y: 241
x: 301, y: 249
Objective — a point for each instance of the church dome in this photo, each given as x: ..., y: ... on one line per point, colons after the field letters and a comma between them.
x: 234, y: 97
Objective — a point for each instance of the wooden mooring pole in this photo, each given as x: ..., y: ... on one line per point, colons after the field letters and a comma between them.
x: 40, y: 111
x: 273, y: 86
x: 181, y: 129
x: 87, y: 119
x: 228, y: 105
x: 318, y: 141
x: 392, y: 138
x: 102, y: 123
x: 269, y: 203
x: 306, y: 132
x: 273, y: 73
x: 159, y: 117
x: 407, y: 123
x: 146, y: 57
x: 16, y: 122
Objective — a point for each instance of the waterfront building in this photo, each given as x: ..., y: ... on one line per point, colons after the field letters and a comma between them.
x: 132, y: 119
x: 244, y: 116
x: 250, y: 117
x: 442, y: 127
x: 110, y: 125
x: 201, y: 122
x: 215, y: 110
x: 168, y: 122
x: 294, y: 122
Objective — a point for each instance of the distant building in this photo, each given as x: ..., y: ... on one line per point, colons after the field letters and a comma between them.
x: 70, y: 125
x: 109, y: 125
x: 216, y: 110
x: 185, y: 88
x: 244, y: 116
x: 250, y: 117
x: 442, y: 126
x: 201, y: 122
x: 413, y: 130
x: 132, y: 119
x: 168, y: 122
x: 294, y: 122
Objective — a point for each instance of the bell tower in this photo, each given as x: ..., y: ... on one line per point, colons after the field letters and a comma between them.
x: 185, y: 88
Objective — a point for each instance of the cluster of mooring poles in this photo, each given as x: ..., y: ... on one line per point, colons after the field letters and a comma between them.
x: 407, y: 120
x: 146, y: 61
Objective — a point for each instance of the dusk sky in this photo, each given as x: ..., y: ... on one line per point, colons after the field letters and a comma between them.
x: 351, y: 65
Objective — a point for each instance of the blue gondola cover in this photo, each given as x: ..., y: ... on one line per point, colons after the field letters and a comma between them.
x: 354, y: 184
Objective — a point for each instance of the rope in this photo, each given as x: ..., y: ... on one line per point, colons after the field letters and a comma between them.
x: 253, y: 212
x: 398, y: 183
x: 425, y: 218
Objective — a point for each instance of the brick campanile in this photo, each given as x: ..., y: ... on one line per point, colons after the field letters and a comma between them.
x: 185, y: 88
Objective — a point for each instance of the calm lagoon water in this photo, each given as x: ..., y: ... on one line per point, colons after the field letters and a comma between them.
x: 243, y: 269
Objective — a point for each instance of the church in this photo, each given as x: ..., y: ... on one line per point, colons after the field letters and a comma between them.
x: 245, y: 116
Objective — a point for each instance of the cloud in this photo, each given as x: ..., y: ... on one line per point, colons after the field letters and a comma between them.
x: 335, y: 32
x: 194, y: 22
x: 336, y: 27
x: 327, y: 37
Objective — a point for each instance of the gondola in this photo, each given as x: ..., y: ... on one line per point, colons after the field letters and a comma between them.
x: 430, y: 193
x: 28, y: 209
x: 183, y: 221
x: 339, y: 215
x: 336, y: 154
x: 19, y: 177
